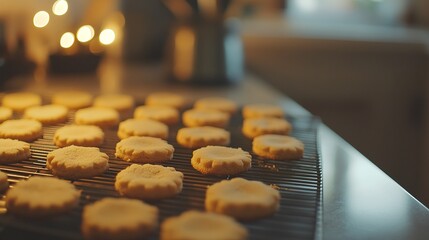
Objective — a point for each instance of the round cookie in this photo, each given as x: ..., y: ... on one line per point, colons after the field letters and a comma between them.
x: 118, y: 218
x: 12, y: 151
x: 119, y: 102
x: 79, y: 135
x: 164, y: 114
x: 205, y: 117
x: 21, y: 100
x: 242, y: 199
x: 75, y: 162
x: 262, y: 110
x: 218, y: 160
x: 196, y: 137
x: 41, y: 197
x: 278, y: 147
x: 4, y: 184
x: 216, y: 103
x: 72, y: 99
x: 196, y: 225
x: 47, y: 114
x: 22, y: 129
x: 166, y: 99
x: 5, y: 114
x: 254, y: 127
x: 102, y: 117
x: 142, y: 127
x: 144, y: 150
x: 149, y: 181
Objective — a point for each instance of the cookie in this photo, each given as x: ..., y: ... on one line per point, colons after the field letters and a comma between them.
x: 102, y: 117
x: 79, y: 135
x: 205, y: 117
x: 242, y: 199
x: 218, y: 160
x: 12, y: 151
x: 164, y: 114
x: 216, y: 103
x: 254, y: 127
x: 142, y: 127
x: 41, y: 197
x: 75, y: 162
x: 149, y: 181
x: 119, y: 102
x: 47, y: 114
x: 21, y: 100
x: 22, y: 129
x: 196, y: 137
x: 144, y: 150
x: 262, y: 110
x: 196, y: 225
x: 118, y: 218
x: 72, y: 99
x: 5, y: 114
x: 166, y: 99
x: 278, y: 147
x: 4, y: 184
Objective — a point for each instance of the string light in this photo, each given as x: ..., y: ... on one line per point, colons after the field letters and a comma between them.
x: 60, y: 7
x: 85, y: 33
x: 41, y: 19
x: 67, y: 40
x: 107, y: 36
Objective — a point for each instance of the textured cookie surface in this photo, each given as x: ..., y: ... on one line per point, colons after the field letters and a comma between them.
x: 74, y: 162
x: 142, y: 127
x: 165, y: 114
x: 118, y: 218
x: 21, y: 100
x: 4, y: 184
x: 120, y: 102
x: 216, y: 103
x: 166, y: 99
x: 278, y: 147
x: 13, y: 150
x: 72, y: 99
x: 242, y: 199
x: 5, y: 114
x: 102, y: 117
x: 254, y: 127
x: 205, y: 117
x: 144, y: 150
x: 149, y: 181
x: 79, y: 135
x: 41, y: 196
x: 262, y: 110
x: 195, y: 225
x: 22, y: 129
x: 219, y: 160
x: 196, y: 137
x: 47, y: 114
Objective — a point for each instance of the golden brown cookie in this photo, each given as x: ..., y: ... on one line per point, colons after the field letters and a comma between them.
x: 242, y: 199
x: 142, y: 127
x: 149, y: 181
x: 278, y: 147
x: 254, y: 127
x: 164, y: 114
x: 119, y: 102
x: 72, y: 99
x: 22, y: 129
x: 21, y: 100
x: 144, y: 150
x: 196, y: 137
x: 47, y: 114
x: 205, y: 117
x: 5, y: 114
x: 218, y: 160
x: 41, y: 197
x: 79, y: 135
x: 75, y: 162
x: 118, y: 218
x: 216, y: 103
x: 262, y: 110
x: 196, y: 225
x: 102, y: 117
x: 13, y: 151
x: 166, y: 99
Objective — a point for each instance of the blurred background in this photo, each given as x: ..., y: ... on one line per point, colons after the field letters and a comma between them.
x: 361, y: 65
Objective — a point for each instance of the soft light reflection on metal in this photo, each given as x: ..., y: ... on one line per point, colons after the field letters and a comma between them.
x: 67, y: 40
x: 41, y: 19
x: 85, y: 33
x: 107, y: 36
x: 60, y: 7
x: 184, y: 53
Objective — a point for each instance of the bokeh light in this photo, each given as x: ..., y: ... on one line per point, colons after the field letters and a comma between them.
x: 67, y: 40
x: 60, y: 7
x: 41, y: 19
x: 85, y: 33
x: 107, y: 36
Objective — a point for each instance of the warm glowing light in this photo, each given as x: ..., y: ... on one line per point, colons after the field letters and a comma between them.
x: 60, y: 7
x: 67, y: 40
x: 41, y: 19
x: 85, y: 33
x: 107, y: 36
